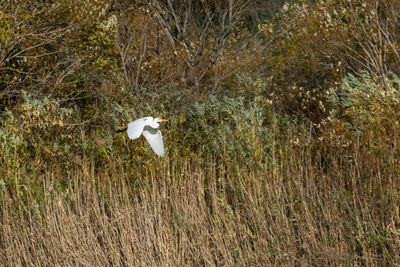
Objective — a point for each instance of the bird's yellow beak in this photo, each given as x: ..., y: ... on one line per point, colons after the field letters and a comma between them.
x: 163, y: 120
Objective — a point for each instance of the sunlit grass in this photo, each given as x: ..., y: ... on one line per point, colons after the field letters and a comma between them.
x: 296, y: 208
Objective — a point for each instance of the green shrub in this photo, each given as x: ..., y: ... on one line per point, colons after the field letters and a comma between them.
x: 364, y: 108
x: 239, y: 127
x: 37, y: 131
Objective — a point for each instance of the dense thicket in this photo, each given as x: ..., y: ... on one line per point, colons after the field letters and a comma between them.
x: 244, y: 83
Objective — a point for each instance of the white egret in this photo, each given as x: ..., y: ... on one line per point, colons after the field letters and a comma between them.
x: 148, y: 126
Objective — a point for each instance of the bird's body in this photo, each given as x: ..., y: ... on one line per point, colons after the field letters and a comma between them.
x: 148, y: 126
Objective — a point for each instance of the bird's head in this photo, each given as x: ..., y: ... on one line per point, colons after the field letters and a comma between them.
x: 156, y: 122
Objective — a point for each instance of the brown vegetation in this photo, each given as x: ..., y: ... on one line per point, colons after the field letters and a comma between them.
x: 282, y: 142
x: 297, y: 209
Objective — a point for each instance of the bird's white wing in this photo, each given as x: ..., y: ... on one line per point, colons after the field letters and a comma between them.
x: 135, y: 128
x: 154, y: 138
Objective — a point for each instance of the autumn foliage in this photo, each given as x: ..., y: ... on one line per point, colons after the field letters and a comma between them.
x: 282, y: 142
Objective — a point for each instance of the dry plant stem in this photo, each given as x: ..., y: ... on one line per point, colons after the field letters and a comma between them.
x: 296, y: 209
x: 190, y: 37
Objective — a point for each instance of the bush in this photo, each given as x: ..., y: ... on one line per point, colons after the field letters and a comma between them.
x: 315, y: 44
x: 364, y: 110
x: 35, y: 133
x: 239, y: 127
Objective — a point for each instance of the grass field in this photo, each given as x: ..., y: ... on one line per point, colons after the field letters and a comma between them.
x: 296, y: 208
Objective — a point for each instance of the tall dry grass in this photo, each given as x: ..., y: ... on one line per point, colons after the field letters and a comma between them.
x: 300, y: 207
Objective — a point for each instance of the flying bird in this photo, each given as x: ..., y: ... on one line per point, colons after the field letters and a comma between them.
x: 148, y: 126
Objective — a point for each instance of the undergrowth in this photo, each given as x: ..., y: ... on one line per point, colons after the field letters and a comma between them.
x: 290, y: 210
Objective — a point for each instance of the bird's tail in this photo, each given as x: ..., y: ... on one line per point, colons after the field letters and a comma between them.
x: 122, y: 130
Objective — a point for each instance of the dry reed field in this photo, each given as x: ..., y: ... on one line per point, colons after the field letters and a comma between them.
x: 296, y: 209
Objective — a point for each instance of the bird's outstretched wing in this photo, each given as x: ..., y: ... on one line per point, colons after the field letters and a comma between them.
x: 154, y: 137
x: 135, y: 128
